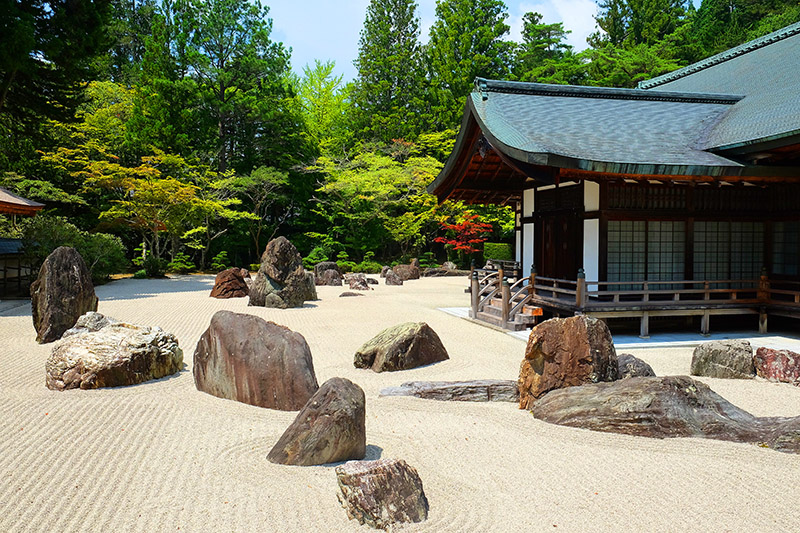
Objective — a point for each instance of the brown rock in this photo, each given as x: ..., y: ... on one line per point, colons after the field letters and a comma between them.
x: 384, y: 269
x: 358, y: 282
x: 114, y: 355
x: 565, y: 352
x: 348, y: 294
x: 401, y: 347
x: 662, y: 407
x: 778, y: 365
x: 319, y: 268
x: 330, y: 277
x: 392, y: 278
x: 381, y: 493
x: 231, y: 283
x: 62, y: 292
x: 731, y: 359
x: 281, y: 280
x: 244, y: 358
x: 406, y: 272
x: 632, y: 367
x: 415, y: 263
x: 330, y: 428
x: 481, y: 390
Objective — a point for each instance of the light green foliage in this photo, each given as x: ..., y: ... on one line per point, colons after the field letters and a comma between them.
x: 104, y: 254
x: 140, y: 274
x: 181, y: 264
x: 316, y: 255
x: 342, y: 260
x: 544, y: 57
x: 466, y: 41
x: 368, y: 265
x: 324, y: 104
x: 387, y: 94
x: 501, y: 251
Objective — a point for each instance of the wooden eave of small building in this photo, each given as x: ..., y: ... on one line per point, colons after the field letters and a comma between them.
x: 12, y: 204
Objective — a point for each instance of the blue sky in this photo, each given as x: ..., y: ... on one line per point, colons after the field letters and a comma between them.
x: 329, y: 29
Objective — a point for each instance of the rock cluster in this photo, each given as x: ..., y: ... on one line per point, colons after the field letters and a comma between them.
x: 565, y: 352
x: 330, y: 428
x: 381, y: 493
x: 281, y: 280
x: 723, y: 359
x: 62, y: 292
x: 231, y: 283
x: 101, y: 352
x: 401, y: 347
x: 245, y: 358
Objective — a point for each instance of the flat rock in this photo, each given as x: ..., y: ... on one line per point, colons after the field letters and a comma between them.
x: 565, y: 352
x: 348, y: 294
x: 629, y: 366
x: 281, y: 280
x: 401, y: 347
x: 406, y: 272
x: 245, y: 358
x: 62, y: 292
x: 330, y: 428
x: 381, y: 493
x: 664, y: 407
x: 731, y: 359
x: 441, y: 272
x: 778, y: 365
x: 231, y: 283
x: 114, y: 355
x: 481, y: 390
x: 392, y: 278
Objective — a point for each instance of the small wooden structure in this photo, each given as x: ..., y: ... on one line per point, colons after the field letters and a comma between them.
x: 15, y: 272
x: 680, y: 198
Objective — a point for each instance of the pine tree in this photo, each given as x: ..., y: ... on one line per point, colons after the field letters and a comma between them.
x: 543, y: 52
x: 466, y: 41
x: 386, y: 94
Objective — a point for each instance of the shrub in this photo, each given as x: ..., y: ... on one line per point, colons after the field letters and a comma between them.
x: 254, y: 267
x: 154, y: 267
x: 181, y: 264
x: 502, y: 251
x: 140, y: 274
x: 368, y: 266
x: 104, y: 254
x: 344, y: 264
x: 220, y: 261
x: 426, y: 260
x: 317, y: 255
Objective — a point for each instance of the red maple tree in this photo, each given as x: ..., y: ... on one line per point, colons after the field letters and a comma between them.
x: 466, y: 235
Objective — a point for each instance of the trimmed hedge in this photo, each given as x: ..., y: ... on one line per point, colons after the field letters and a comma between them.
x: 502, y: 251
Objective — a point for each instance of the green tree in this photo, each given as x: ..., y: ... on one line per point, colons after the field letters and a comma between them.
x: 544, y: 57
x: 387, y: 91
x: 47, y: 47
x: 466, y: 41
x: 324, y: 103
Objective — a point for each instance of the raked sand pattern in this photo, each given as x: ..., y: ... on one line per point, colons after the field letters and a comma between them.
x: 161, y: 456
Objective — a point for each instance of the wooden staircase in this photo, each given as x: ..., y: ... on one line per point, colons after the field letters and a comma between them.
x: 496, y: 302
x: 493, y: 314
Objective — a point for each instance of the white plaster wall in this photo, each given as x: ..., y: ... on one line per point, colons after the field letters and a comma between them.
x: 527, y: 203
x: 527, y: 250
x: 591, y: 250
x: 518, y: 247
x: 591, y: 196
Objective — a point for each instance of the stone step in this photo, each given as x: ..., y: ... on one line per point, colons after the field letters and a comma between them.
x: 531, y: 310
x: 497, y: 321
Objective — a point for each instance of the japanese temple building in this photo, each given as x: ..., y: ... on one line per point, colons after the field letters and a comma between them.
x: 693, y: 177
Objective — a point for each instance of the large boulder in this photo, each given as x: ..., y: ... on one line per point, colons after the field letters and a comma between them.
x: 319, y: 268
x: 381, y: 493
x: 231, y: 283
x: 357, y: 282
x: 392, y: 278
x: 245, y: 358
x: 330, y: 428
x: 281, y: 280
x: 91, y: 321
x: 406, y: 272
x: 723, y: 359
x: 114, y: 355
x: 401, y: 347
x: 330, y: 277
x: 62, y: 292
x: 629, y: 366
x: 661, y: 407
x: 778, y: 365
x: 565, y: 352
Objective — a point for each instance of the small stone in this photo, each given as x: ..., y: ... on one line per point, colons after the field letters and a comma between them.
x: 381, y: 493
x: 348, y: 294
x: 632, y: 367
x: 231, y: 283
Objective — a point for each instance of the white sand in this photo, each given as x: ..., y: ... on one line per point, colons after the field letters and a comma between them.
x: 162, y: 456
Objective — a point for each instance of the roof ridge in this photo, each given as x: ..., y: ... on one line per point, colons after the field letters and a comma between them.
x: 749, y: 46
x: 485, y: 86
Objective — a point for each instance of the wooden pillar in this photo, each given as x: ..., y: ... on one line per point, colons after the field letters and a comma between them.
x: 474, y: 290
x: 580, y: 290
x: 644, y: 326
x: 705, y: 323
x: 505, y: 291
x: 532, y: 283
x: 762, y: 320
